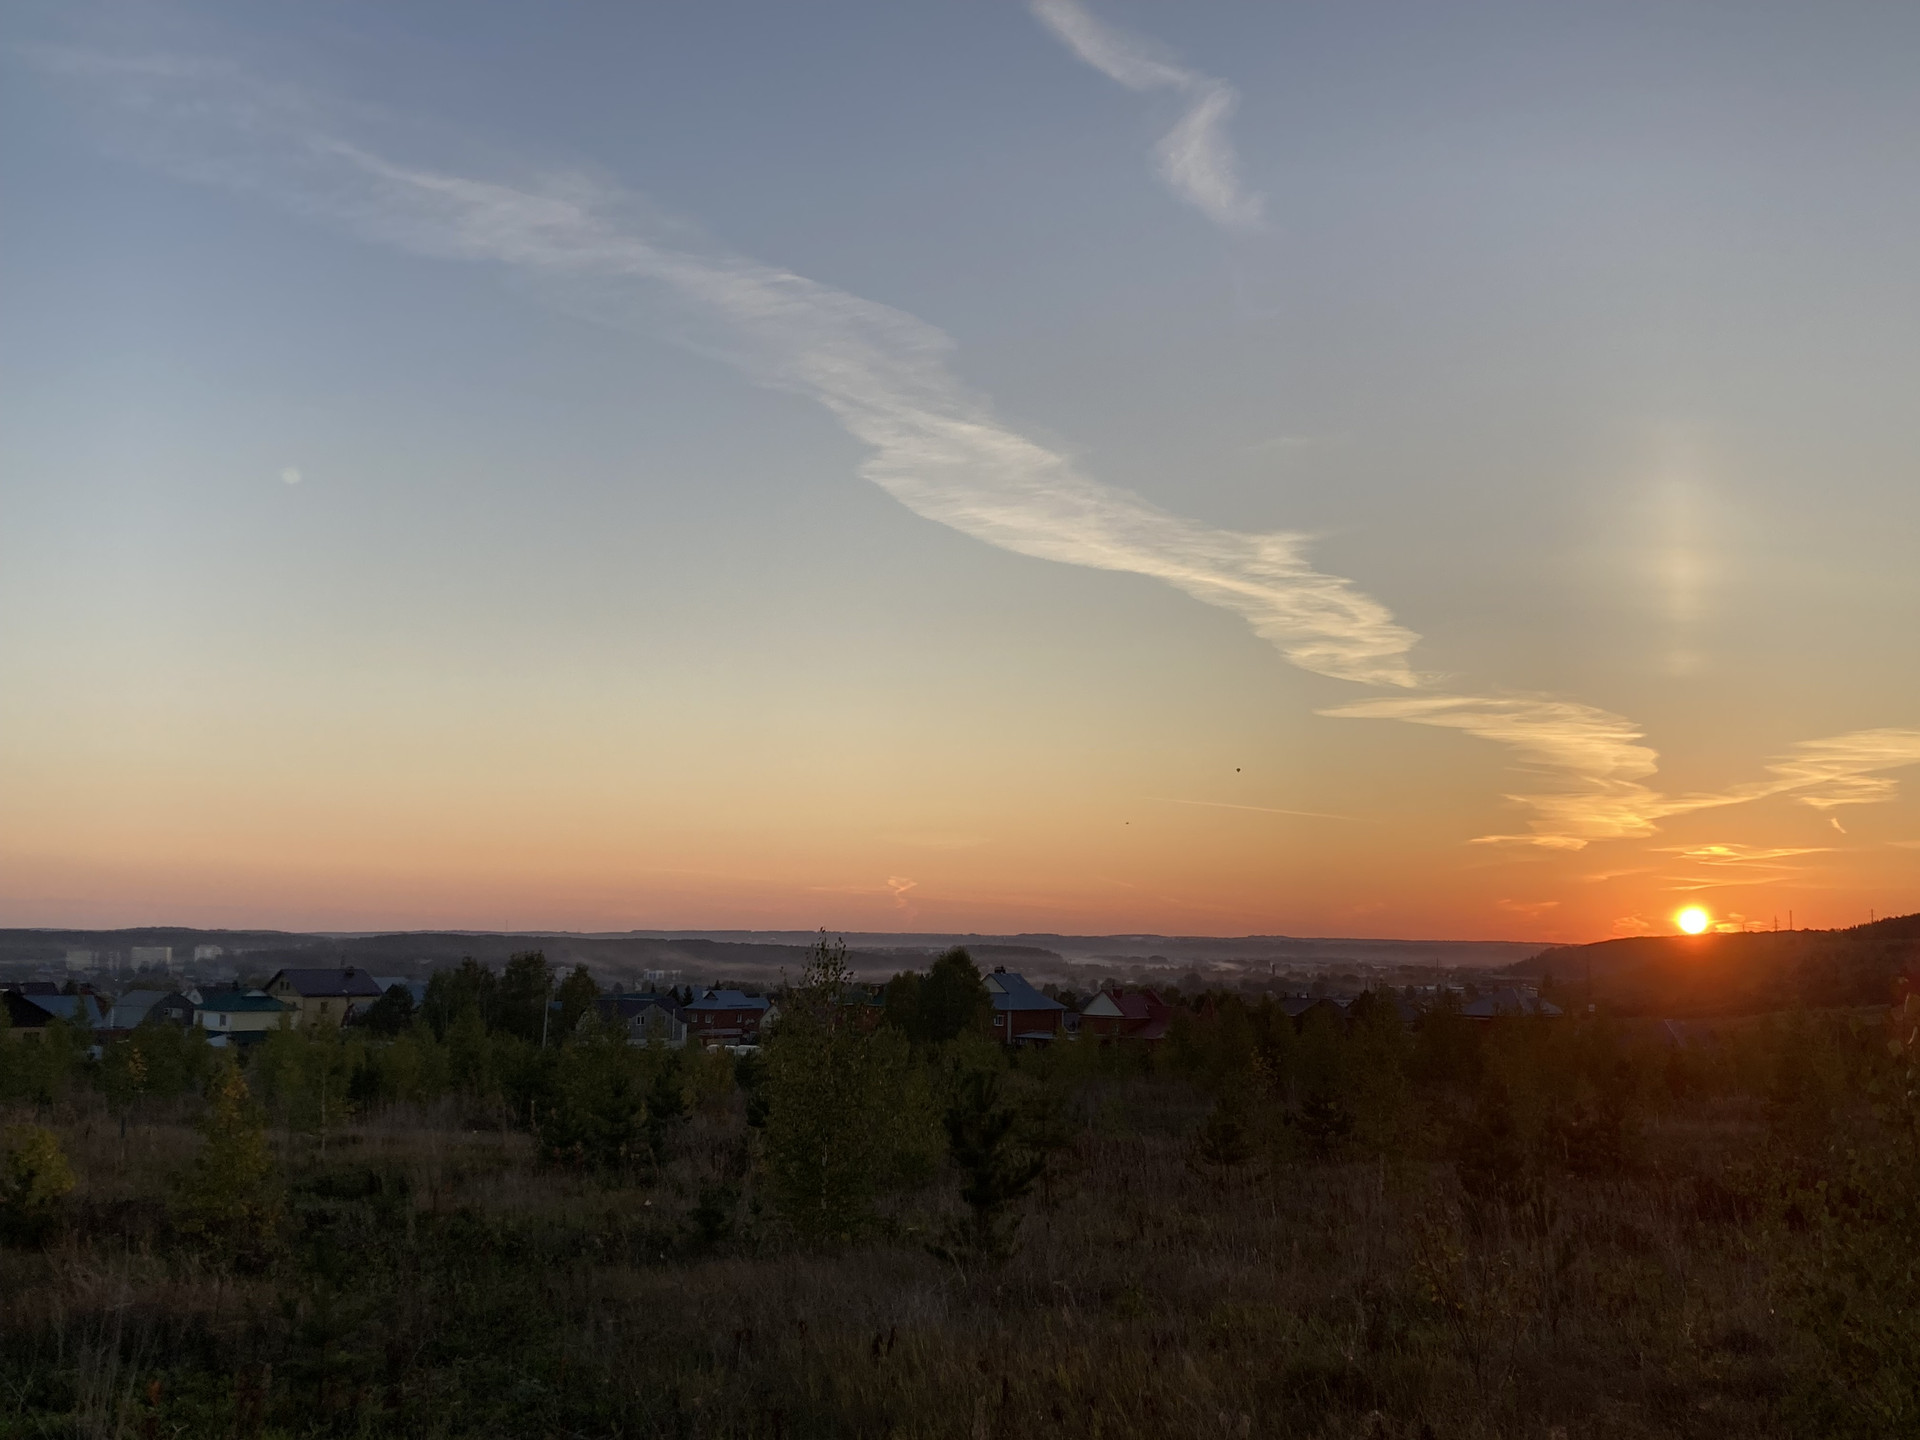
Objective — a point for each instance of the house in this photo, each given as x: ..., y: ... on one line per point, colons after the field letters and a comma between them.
x: 323, y: 997
x: 1508, y: 1001
x: 84, y: 1011
x: 134, y: 1007
x: 861, y: 1007
x: 416, y: 989
x: 726, y: 1017
x: 648, y: 1019
x: 1298, y: 1007
x: 1121, y: 1014
x: 30, y: 1015
x: 247, y: 1014
x: 1021, y: 1014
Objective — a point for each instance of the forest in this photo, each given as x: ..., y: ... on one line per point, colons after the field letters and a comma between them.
x: 492, y: 1215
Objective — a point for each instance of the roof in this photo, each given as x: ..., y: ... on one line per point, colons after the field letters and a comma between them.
x: 1145, y: 1014
x: 1508, y: 1001
x: 1298, y: 1005
x: 74, y: 1009
x: 1012, y: 992
x: 728, y: 1000
x: 131, y: 1008
x: 416, y: 989
x: 349, y: 983
x: 37, y: 987
x: 629, y: 1007
x: 236, y: 1001
x: 25, y: 1014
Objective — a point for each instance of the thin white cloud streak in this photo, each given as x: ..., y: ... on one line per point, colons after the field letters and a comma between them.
x: 1601, y: 767
x: 1734, y: 854
x: 1194, y: 159
x: 1596, y: 756
x: 936, y: 446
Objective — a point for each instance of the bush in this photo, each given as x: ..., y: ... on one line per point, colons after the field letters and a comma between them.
x: 35, y: 1179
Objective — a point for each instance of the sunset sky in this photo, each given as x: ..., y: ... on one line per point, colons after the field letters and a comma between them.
x: 1323, y: 469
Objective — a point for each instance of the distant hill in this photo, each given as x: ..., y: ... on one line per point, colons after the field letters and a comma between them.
x: 759, y: 957
x: 1739, y: 974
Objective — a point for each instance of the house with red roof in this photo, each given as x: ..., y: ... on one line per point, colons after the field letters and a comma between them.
x: 1122, y: 1014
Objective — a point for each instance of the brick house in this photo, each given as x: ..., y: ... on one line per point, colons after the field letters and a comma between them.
x: 1022, y: 1015
x: 726, y: 1017
x: 1121, y: 1014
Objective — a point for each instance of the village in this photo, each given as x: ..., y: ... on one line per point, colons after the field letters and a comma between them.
x: 1021, y: 1015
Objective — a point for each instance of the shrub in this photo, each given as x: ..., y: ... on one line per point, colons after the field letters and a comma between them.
x: 34, y: 1181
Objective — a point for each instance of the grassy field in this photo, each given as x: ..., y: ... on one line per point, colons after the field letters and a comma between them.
x: 1530, y: 1227
x: 432, y: 1278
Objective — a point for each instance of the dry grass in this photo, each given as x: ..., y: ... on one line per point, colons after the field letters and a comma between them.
x: 437, y: 1283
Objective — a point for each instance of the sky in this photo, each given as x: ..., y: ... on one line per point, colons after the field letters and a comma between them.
x: 1325, y: 469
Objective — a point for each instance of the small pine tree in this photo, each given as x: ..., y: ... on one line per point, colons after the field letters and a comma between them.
x: 1223, y: 1140
x: 981, y: 1135
x: 666, y: 1106
x: 228, y: 1193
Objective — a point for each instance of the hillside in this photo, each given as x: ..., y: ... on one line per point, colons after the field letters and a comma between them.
x: 1702, y: 975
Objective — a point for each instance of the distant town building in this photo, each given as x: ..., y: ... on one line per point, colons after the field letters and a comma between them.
x: 78, y: 960
x: 153, y: 957
x: 204, y: 953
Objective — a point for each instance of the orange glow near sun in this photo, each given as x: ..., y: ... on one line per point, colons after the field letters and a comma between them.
x: 1693, y: 919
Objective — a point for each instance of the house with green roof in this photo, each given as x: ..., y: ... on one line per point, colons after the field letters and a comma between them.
x: 247, y: 1014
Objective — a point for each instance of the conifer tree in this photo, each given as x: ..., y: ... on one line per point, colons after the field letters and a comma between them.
x: 228, y: 1193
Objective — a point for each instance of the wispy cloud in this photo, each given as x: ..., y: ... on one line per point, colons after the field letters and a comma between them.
x: 1194, y: 159
x: 1750, y: 855
x: 1595, y: 758
x: 1844, y: 770
x: 1599, y: 767
x: 934, y: 444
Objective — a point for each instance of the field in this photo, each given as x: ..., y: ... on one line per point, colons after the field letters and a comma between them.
x: 1519, y: 1231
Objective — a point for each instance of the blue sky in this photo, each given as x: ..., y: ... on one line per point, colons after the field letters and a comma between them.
x: 1573, y: 342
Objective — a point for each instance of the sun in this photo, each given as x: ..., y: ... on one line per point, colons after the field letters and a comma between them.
x: 1693, y: 919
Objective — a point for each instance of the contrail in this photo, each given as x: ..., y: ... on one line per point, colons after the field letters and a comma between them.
x: 1194, y: 159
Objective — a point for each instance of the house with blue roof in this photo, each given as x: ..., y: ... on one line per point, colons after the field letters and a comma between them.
x: 727, y: 1017
x: 1022, y: 1015
x: 31, y: 1013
